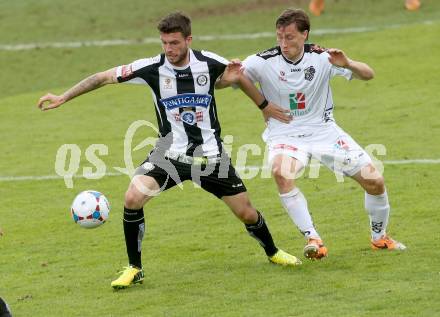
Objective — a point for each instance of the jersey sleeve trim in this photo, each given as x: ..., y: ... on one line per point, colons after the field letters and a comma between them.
x: 215, y: 57
x: 135, y: 69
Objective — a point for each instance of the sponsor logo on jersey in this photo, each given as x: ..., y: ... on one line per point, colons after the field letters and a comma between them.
x: 285, y: 147
x: 167, y: 83
x: 188, y: 117
x: 297, y: 103
x: 309, y: 73
x: 295, y: 70
x: 341, y: 144
x: 187, y: 100
x: 202, y: 80
x: 281, y: 77
x: 126, y: 71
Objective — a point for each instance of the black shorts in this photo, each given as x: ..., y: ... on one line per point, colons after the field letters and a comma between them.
x: 220, y: 179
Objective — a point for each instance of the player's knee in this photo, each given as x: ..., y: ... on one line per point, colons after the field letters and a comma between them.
x: 247, y: 213
x: 280, y: 178
x: 133, y: 200
x: 376, y: 186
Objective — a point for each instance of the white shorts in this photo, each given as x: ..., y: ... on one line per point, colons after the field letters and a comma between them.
x: 329, y: 145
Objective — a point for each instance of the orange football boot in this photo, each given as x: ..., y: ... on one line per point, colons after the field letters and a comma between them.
x: 315, y: 249
x: 385, y: 242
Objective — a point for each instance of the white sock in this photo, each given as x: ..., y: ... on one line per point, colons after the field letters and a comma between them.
x: 379, y: 211
x: 296, y: 206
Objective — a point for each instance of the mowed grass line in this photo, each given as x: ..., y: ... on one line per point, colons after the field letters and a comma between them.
x: 198, y: 257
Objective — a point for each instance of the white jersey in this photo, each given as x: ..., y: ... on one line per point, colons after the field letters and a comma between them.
x: 301, y: 87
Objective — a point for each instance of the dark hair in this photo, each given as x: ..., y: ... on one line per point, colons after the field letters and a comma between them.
x: 297, y: 16
x: 175, y: 22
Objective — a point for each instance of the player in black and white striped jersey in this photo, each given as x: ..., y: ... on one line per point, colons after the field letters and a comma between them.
x: 182, y: 81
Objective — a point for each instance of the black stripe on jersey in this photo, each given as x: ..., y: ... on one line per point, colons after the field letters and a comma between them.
x: 275, y: 51
x: 271, y: 52
x: 185, y: 84
x: 216, y: 68
x: 151, y: 76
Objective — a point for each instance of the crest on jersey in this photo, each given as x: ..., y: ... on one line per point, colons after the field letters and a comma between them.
x: 202, y: 80
x: 188, y: 117
x: 309, y: 73
x: 168, y: 83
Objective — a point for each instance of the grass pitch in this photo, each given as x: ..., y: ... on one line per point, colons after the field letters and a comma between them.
x: 198, y: 259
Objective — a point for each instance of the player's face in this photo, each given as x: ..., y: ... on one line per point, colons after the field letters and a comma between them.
x: 291, y: 41
x: 175, y: 46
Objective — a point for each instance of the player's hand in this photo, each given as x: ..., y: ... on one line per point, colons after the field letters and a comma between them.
x: 277, y: 113
x: 232, y: 72
x: 54, y: 102
x: 318, y: 49
x: 338, y: 57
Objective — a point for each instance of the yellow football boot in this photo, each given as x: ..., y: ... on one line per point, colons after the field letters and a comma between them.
x: 284, y: 258
x: 130, y: 275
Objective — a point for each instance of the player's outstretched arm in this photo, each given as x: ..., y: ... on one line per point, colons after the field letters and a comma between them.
x: 90, y: 83
x: 360, y: 70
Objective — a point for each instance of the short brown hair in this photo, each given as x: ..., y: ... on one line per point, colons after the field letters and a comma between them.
x: 175, y: 22
x: 297, y: 16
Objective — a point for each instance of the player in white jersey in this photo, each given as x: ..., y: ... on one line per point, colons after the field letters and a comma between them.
x: 296, y: 76
x: 189, y: 147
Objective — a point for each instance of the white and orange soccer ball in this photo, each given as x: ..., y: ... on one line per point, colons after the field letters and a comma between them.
x: 90, y: 209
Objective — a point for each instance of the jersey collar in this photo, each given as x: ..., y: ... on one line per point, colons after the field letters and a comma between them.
x: 192, y: 58
x: 292, y: 62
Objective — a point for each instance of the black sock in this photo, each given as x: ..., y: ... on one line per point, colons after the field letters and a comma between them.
x: 260, y: 232
x: 134, y: 229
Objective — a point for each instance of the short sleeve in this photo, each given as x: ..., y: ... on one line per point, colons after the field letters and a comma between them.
x: 341, y: 71
x: 253, y: 66
x: 134, y: 72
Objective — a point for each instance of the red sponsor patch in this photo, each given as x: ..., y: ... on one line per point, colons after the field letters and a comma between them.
x: 199, y: 116
x: 343, y: 145
x: 126, y: 71
x: 285, y: 147
x: 301, y: 100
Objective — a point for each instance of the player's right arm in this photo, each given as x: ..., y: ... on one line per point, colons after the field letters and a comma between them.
x: 251, y: 73
x: 51, y: 101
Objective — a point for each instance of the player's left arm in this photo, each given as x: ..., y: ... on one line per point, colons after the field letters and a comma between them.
x: 360, y: 70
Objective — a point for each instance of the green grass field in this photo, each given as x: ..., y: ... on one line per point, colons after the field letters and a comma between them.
x: 198, y: 258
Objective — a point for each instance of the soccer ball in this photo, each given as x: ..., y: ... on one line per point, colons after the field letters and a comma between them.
x: 90, y: 209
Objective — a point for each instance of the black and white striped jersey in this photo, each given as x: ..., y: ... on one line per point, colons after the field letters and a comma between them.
x: 183, y: 98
